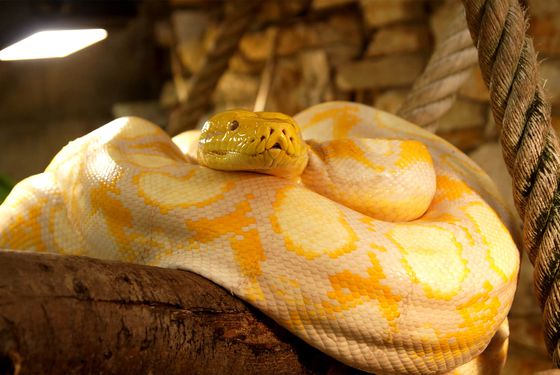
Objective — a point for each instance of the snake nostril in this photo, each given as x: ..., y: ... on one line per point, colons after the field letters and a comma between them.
x: 271, y: 131
x: 263, y: 137
x: 284, y: 131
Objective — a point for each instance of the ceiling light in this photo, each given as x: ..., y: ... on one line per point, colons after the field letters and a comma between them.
x: 52, y: 43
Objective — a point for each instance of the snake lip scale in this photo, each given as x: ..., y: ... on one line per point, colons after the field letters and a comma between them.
x: 274, y: 151
x: 374, y: 241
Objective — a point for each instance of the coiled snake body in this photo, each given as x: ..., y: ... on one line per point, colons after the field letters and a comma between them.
x: 415, y: 279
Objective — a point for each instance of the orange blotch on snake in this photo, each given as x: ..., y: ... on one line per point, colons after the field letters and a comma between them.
x: 495, y: 237
x: 162, y: 148
x: 435, y: 262
x: 343, y: 120
x: 105, y: 198
x: 197, y: 187
x: 246, y: 244
x: 154, y: 155
x: 350, y: 289
x: 479, y: 314
x: 23, y: 230
x: 348, y: 148
x: 319, y: 232
x: 450, y: 189
x: 64, y: 237
x: 412, y: 152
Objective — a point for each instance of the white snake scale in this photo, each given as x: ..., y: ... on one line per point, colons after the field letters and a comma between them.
x: 411, y: 295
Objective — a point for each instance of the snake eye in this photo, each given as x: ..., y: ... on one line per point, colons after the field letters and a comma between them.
x: 233, y: 125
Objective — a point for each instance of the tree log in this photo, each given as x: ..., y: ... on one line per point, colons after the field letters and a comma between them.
x: 77, y: 315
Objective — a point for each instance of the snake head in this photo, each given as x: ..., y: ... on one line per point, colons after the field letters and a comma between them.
x: 264, y: 142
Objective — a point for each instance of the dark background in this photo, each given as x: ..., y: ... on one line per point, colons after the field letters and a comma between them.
x: 45, y: 103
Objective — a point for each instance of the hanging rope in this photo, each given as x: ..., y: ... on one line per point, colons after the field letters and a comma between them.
x: 267, y: 74
x: 239, y: 15
x: 530, y: 146
x: 434, y: 91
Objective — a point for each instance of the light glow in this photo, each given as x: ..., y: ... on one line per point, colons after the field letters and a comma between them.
x: 52, y: 43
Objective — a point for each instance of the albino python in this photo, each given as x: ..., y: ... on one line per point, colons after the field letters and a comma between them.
x: 377, y: 242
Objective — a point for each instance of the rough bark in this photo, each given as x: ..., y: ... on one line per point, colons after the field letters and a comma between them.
x: 75, y: 315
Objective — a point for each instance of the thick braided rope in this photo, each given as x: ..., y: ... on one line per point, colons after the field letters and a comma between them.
x: 240, y: 15
x: 434, y: 91
x: 530, y: 146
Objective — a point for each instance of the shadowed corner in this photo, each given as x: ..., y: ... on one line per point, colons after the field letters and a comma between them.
x: 10, y: 364
x: 6, y: 186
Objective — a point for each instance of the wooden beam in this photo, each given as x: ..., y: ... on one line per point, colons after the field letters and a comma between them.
x: 77, y: 315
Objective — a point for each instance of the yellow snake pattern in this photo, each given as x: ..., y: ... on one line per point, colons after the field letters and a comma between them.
x: 419, y: 293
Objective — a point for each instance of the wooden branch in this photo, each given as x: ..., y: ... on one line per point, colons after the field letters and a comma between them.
x: 77, y: 315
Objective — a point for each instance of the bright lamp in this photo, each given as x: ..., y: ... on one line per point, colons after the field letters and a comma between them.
x: 52, y: 43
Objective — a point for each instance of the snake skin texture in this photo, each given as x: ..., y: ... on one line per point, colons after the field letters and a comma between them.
x: 416, y: 279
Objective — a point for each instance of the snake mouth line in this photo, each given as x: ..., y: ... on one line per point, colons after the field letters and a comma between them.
x: 229, y: 152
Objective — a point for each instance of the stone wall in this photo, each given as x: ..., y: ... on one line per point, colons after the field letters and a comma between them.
x: 369, y: 51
